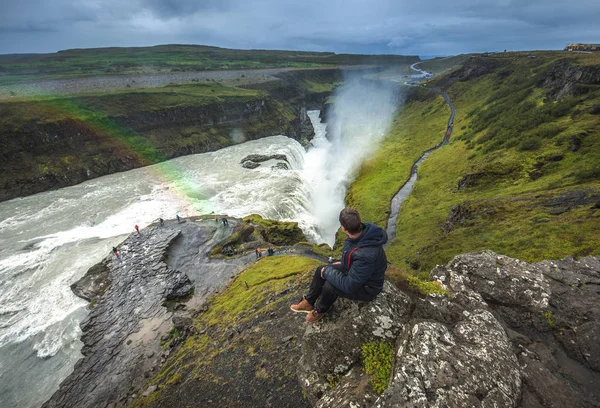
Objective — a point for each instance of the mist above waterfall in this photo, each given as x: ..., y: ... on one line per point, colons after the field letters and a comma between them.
x: 361, y: 115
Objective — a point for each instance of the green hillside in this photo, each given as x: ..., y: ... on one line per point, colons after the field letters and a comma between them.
x: 170, y: 58
x: 521, y: 175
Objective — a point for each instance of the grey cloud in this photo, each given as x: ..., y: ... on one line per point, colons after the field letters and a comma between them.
x: 376, y: 26
x: 182, y: 8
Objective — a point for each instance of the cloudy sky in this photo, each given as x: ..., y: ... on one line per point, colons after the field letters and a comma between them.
x: 434, y: 27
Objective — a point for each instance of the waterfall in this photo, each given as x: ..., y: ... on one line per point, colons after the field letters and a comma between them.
x: 362, y: 114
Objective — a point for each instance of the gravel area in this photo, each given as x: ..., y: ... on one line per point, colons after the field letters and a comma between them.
x: 109, y: 83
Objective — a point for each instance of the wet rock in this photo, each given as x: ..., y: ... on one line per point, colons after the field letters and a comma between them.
x: 250, y: 165
x: 180, y: 286
x: 280, y: 166
x: 252, y: 161
x: 93, y: 283
x: 259, y: 158
x: 131, y: 312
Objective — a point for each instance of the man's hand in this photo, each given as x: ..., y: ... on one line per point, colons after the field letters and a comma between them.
x: 338, y: 262
x: 322, y: 269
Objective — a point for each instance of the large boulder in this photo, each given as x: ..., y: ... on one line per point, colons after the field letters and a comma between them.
x: 465, y: 365
x: 280, y: 233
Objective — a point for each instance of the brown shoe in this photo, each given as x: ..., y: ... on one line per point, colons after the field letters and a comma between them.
x: 302, y: 307
x: 314, y: 316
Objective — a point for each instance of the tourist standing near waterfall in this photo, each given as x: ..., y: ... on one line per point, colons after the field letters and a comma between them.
x: 360, y: 274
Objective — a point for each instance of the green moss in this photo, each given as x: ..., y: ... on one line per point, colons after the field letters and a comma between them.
x: 426, y: 287
x: 249, y: 289
x: 377, y: 361
x: 276, y: 232
x: 548, y: 315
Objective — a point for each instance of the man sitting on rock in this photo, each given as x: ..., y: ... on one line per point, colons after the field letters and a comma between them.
x: 360, y: 274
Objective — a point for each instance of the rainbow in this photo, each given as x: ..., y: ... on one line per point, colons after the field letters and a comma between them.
x: 125, y: 140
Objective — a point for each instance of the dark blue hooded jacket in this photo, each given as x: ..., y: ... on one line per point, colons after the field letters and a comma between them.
x: 364, y: 264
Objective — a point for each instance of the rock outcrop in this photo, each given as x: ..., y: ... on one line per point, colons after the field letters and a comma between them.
x: 253, y: 161
x: 332, y: 349
x: 508, y: 334
x: 565, y: 79
x: 122, y: 334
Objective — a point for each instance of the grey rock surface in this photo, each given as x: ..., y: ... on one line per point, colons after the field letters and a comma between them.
x: 128, y: 319
x: 509, y: 334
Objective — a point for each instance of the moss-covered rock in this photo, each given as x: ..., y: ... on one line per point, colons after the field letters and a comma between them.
x: 241, y: 234
x: 279, y: 233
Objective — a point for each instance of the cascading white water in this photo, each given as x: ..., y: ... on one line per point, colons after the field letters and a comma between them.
x: 49, y: 240
x: 362, y: 114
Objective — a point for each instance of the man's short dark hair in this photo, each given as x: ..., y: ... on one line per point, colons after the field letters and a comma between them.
x: 350, y: 219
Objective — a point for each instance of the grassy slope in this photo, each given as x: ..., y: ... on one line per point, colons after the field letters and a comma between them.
x: 506, y: 130
x: 99, y: 111
x: 251, y: 359
x: 169, y: 58
x: 417, y: 128
x: 439, y: 65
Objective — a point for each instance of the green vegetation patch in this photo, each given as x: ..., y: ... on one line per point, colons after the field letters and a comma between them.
x: 425, y: 287
x: 121, y: 102
x: 377, y: 361
x: 250, y: 288
x: 170, y: 58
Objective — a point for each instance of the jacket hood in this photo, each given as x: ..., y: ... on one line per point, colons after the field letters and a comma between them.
x: 372, y: 236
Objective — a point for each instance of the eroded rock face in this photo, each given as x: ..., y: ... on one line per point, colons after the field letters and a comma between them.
x: 123, y: 321
x: 510, y: 334
x: 563, y: 78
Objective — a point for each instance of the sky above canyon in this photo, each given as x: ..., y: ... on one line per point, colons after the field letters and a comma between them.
x: 434, y: 27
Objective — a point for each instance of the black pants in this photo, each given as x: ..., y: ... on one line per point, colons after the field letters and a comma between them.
x: 326, y: 293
